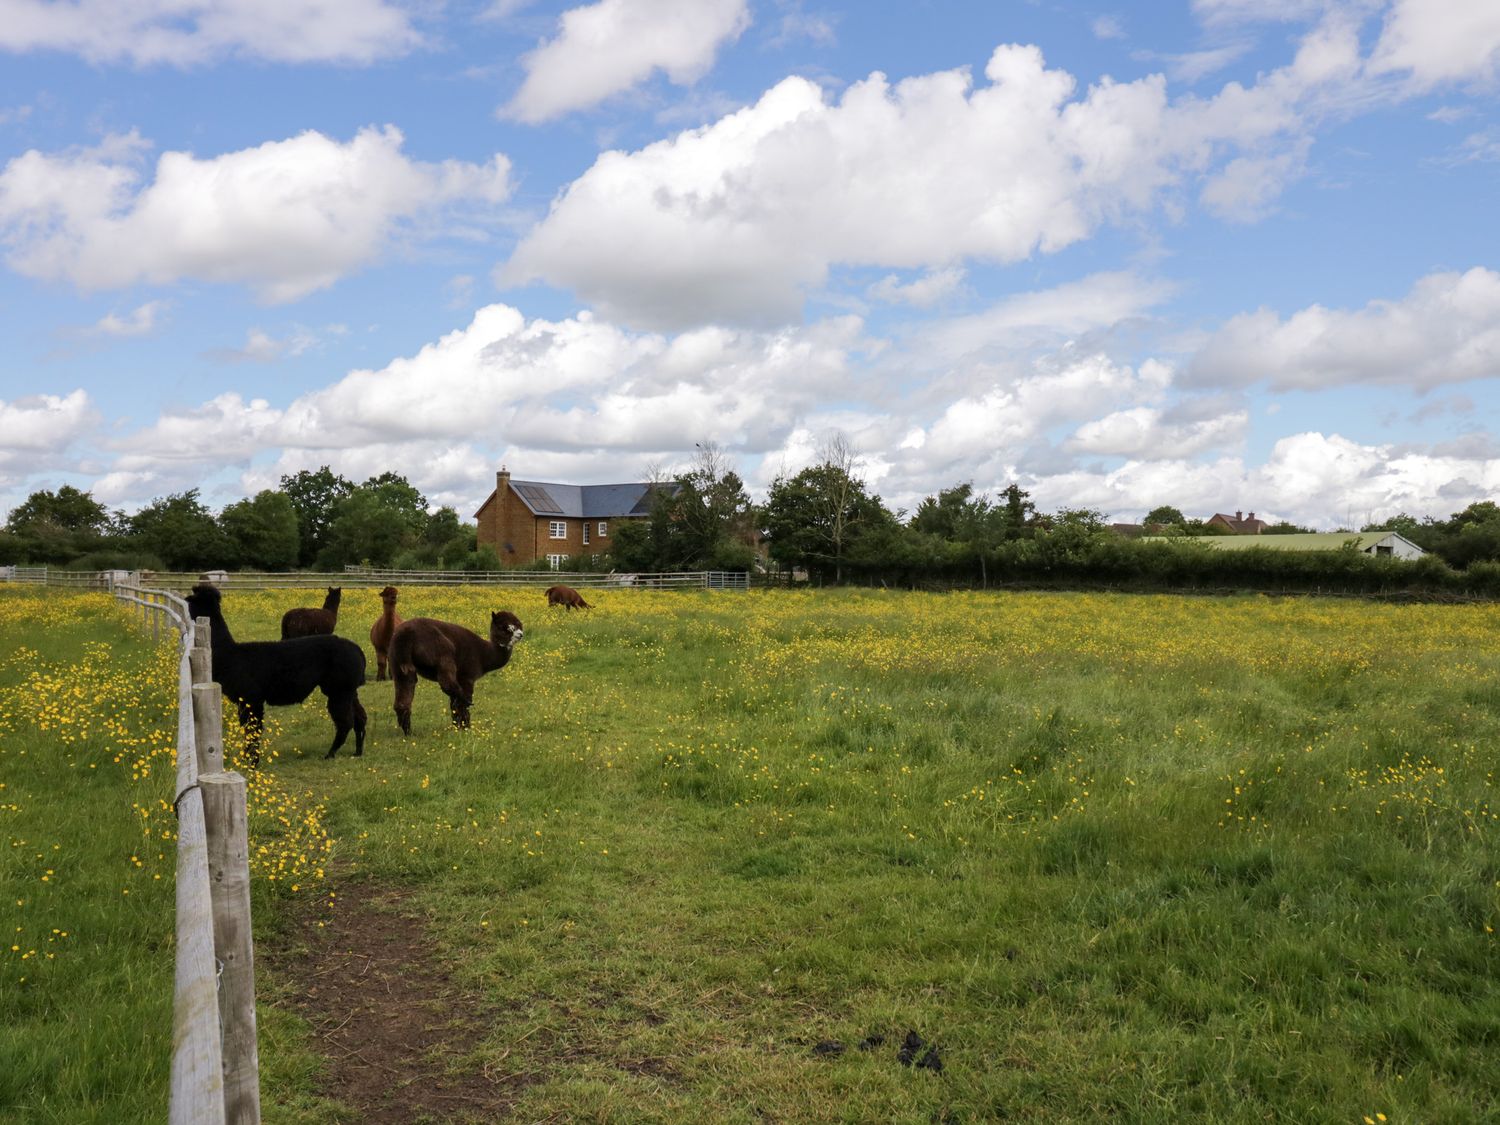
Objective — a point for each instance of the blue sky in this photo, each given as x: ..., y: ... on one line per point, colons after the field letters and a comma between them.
x: 1221, y: 254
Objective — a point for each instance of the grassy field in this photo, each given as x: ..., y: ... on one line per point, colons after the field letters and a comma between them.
x: 1148, y: 858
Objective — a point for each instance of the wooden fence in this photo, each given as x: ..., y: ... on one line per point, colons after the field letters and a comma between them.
x: 215, y: 1066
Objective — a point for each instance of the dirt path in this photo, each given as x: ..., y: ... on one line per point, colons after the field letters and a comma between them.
x: 386, y: 1015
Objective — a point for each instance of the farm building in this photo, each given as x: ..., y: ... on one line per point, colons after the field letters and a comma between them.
x: 1370, y: 542
x: 525, y: 520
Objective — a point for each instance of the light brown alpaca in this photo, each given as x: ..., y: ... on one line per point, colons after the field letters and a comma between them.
x: 566, y: 595
x: 383, y: 629
x: 452, y: 656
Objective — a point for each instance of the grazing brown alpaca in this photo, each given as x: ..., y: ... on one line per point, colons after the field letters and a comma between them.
x: 381, y: 631
x: 452, y: 656
x: 566, y: 595
x: 313, y: 622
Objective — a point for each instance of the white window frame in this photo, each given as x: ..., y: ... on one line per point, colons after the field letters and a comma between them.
x: 585, y: 533
x: 556, y: 561
x: 557, y: 529
x: 603, y: 529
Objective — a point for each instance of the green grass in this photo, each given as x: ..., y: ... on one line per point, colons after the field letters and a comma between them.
x: 86, y: 962
x: 1150, y: 858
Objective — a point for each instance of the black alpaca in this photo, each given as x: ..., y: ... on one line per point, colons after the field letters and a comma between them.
x: 281, y: 673
x: 313, y: 622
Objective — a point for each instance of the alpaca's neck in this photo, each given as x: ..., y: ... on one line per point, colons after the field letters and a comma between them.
x: 496, y: 656
x: 218, y: 633
x: 389, y: 616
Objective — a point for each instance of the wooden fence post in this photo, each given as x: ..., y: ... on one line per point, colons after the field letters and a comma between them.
x: 201, y: 656
x: 208, y: 727
x: 225, y: 818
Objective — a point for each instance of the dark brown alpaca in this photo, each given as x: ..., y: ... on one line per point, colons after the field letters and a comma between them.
x: 381, y: 631
x: 566, y: 595
x: 452, y: 656
x: 313, y: 622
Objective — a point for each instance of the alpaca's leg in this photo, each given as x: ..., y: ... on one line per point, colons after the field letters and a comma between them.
x: 342, y: 714
x: 462, y: 702
x: 406, y: 688
x: 381, y: 659
x: 456, y: 690
x: 252, y: 719
x: 359, y: 726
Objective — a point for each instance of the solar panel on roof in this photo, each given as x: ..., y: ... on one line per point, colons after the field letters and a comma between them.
x: 539, y: 498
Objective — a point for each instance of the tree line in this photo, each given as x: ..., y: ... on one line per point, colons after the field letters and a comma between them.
x: 822, y: 522
x: 316, y: 519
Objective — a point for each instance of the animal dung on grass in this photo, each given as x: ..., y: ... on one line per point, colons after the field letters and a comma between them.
x: 382, y: 630
x: 566, y: 596
x: 313, y: 622
x: 282, y: 673
x: 451, y: 656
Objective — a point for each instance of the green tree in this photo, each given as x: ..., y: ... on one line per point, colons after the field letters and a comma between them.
x: 818, y: 518
x: 1017, y: 513
x: 942, y: 514
x: 67, y: 509
x: 314, y: 496
x: 261, y: 531
x: 375, y: 522
x: 972, y: 523
x: 180, y: 531
x: 1165, y: 516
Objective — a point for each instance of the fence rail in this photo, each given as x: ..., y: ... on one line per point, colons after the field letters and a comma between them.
x: 215, y: 1063
x: 368, y: 576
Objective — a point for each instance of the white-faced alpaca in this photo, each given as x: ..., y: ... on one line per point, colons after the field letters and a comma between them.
x: 450, y: 655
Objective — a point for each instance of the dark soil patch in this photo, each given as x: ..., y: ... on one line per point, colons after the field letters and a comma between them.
x: 386, y: 1015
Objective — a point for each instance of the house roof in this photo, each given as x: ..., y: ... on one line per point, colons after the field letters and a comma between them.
x: 1303, y: 541
x: 582, y: 501
x: 1244, y: 525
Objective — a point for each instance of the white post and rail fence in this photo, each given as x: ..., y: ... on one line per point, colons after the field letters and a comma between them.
x: 361, y: 576
x: 215, y: 1065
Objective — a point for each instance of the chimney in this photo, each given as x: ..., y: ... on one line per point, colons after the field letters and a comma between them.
x: 1238, y: 515
x: 502, y: 481
x: 1252, y: 516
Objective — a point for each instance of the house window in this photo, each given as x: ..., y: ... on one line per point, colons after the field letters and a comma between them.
x: 556, y: 561
x: 1383, y: 550
x: 603, y: 529
x: 558, y: 529
x: 585, y: 533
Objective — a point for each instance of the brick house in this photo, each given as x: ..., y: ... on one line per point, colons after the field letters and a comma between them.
x: 525, y: 520
x: 1238, y: 524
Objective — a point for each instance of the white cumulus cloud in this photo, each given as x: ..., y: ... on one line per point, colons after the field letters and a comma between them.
x: 192, y: 32
x: 1446, y: 330
x: 613, y: 45
x: 738, y: 219
x: 287, y: 217
x: 37, y: 430
x: 1438, y: 41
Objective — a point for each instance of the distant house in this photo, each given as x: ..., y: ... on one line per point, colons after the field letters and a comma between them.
x: 1385, y: 543
x: 526, y: 520
x: 1128, y: 530
x: 1238, y: 524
